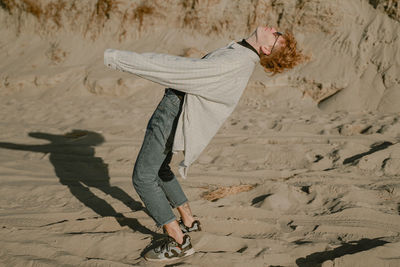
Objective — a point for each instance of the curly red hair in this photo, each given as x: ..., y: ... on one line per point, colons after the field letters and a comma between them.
x: 286, y: 57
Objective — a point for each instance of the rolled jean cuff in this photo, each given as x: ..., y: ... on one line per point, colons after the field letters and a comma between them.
x: 167, y: 222
x: 175, y: 205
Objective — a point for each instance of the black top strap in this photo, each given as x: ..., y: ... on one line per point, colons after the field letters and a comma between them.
x: 249, y: 46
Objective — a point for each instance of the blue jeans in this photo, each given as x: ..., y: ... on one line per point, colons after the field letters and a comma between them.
x: 152, y: 177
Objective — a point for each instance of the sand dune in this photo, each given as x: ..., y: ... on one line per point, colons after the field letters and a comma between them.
x: 307, y: 166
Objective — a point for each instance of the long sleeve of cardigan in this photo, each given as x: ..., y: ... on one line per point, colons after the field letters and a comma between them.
x: 185, y: 74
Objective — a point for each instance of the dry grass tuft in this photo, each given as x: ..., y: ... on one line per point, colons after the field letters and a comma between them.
x: 136, y: 13
x: 141, y: 11
x: 33, y: 8
x: 105, y: 7
x: 56, y: 14
x: 225, y: 191
x: 55, y: 53
x: 103, y: 10
x: 89, y: 18
x: 101, y: 13
x: 191, y: 18
x: 199, y: 15
x: 53, y: 11
x: 50, y: 12
x: 8, y: 5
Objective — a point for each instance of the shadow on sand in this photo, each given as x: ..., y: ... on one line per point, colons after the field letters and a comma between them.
x: 75, y: 164
x: 316, y: 259
x: 374, y: 148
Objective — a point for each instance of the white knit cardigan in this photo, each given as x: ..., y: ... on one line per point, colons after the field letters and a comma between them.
x: 213, y: 87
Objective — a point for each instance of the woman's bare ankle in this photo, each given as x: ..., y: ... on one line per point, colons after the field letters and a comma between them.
x: 174, y: 231
x: 186, y: 214
x: 188, y: 221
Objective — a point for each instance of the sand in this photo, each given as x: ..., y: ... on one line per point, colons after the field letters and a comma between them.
x: 305, y: 172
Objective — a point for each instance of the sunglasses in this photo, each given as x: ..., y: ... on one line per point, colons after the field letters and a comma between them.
x: 276, y: 34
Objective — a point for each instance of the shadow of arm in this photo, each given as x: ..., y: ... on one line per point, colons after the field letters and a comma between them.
x: 30, y: 148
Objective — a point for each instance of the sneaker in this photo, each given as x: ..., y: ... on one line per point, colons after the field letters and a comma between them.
x: 170, y: 250
x: 194, y: 228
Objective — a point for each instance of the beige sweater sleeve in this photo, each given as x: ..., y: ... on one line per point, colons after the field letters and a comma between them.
x: 185, y: 74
